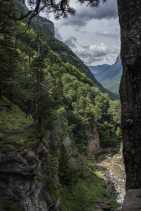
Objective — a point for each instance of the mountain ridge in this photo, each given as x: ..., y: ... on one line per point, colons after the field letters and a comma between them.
x: 108, y: 75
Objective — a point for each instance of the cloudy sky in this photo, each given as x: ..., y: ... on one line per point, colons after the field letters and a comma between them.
x: 93, y: 33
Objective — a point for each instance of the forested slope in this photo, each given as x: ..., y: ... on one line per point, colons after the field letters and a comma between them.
x: 53, y: 120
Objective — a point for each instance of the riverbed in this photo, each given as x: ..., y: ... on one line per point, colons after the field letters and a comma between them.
x: 113, y: 171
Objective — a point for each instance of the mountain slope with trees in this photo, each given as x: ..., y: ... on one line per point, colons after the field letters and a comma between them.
x: 53, y: 120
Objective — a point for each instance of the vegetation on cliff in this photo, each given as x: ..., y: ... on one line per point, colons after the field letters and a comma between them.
x: 51, y: 109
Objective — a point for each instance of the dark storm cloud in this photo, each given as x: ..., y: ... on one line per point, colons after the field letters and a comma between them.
x: 84, y: 14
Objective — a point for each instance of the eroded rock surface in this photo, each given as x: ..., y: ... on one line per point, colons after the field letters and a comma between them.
x: 20, y: 181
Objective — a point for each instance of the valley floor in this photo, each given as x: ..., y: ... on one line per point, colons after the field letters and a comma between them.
x: 112, y: 168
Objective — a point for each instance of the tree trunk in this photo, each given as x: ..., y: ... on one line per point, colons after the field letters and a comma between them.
x: 130, y: 92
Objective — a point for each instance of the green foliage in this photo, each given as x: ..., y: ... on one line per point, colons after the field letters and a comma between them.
x: 107, y: 117
x: 12, y: 117
x: 87, y: 192
x: 67, y: 87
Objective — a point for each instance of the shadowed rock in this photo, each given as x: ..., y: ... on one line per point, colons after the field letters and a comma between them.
x: 132, y: 200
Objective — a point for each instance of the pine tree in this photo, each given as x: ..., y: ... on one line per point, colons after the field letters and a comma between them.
x: 8, y: 53
x: 37, y: 66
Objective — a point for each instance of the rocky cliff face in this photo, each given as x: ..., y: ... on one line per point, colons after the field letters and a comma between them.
x: 19, y: 181
x: 21, y: 163
x: 130, y: 92
x: 40, y: 24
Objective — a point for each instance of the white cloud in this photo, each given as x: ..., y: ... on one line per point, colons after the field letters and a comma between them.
x: 93, y: 34
x: 100, y: 47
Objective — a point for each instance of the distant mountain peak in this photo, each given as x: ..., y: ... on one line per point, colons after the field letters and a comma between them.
x: 118, y: 60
